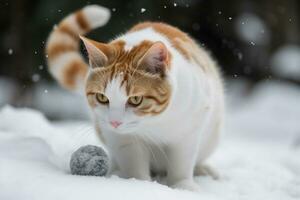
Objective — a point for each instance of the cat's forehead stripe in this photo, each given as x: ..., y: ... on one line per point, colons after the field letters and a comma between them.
x: 115, y: 91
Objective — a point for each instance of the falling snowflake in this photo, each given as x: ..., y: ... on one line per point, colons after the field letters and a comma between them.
x: 240, y: 55
x: 46, y: 91
x: 230, y: 18
x: 10, y: 51
x: 143, y: 10
x: 114, y: 9
x: 36, y: 77
x: 175, y: 4
x: 41, y: 67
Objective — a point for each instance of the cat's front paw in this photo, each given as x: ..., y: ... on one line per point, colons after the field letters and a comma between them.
x: 206, y: 170
x: 187, y: 185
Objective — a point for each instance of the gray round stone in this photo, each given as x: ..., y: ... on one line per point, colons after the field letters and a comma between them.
x: 89, y: 160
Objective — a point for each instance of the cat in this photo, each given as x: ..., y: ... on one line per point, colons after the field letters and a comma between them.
x: 156, y: 97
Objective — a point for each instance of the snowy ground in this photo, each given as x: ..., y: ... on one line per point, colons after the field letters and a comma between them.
x: 259, y: 157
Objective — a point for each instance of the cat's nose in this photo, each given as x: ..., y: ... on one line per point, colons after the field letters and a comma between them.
x: 115, y: 124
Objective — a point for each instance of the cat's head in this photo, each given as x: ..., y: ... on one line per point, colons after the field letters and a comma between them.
x: 127, y: 87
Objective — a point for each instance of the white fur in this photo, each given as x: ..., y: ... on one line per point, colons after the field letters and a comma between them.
x: 96, y: 15
x: 178, y: 139
x: 134, y: 38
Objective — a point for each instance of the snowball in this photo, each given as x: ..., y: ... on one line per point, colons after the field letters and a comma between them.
x: 89, y: 160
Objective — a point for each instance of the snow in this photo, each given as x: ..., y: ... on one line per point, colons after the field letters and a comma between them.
x: 257, y: 158
x: 274, y: 109
x: 285, y: 61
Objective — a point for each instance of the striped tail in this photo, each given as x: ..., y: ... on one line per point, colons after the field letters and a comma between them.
x: 65, y: 62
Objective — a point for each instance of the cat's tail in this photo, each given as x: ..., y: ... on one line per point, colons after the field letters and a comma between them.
x: 65, y: 62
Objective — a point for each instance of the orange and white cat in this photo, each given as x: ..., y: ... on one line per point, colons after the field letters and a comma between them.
x: 155, y: 95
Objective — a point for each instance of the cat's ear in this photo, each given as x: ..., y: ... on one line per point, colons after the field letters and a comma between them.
x: 156, y: 59
x: 98, y: 53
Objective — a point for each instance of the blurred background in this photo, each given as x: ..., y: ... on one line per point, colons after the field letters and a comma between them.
x: 256, y: 43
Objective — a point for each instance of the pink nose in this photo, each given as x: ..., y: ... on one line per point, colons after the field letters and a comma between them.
x: 115, y: 124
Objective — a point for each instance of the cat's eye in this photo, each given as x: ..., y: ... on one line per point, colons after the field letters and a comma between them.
x: 135, y: 100
x: 101, y: 98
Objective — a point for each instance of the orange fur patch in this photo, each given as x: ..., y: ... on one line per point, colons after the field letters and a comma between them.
x: 57, y: 49
x: 172, y: 33
x: 82, y: 22
x: 67, y: 29
x: 74, y: 71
